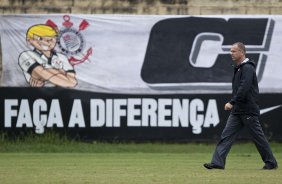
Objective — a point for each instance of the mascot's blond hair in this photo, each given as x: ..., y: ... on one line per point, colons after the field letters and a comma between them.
x: 40, y: 30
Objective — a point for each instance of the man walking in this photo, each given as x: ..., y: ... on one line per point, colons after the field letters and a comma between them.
x: 244, y: 112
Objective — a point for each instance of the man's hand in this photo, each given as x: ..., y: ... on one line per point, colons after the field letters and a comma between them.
x: 228, y: 106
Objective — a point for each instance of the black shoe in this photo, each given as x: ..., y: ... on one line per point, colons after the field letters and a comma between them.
x: 212, y: 166
x: 269, y: 167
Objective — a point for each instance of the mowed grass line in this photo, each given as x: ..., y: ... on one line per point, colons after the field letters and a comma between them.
x: 182, y: 165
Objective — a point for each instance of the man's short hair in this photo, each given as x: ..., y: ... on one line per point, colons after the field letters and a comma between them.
x: 241, y: 46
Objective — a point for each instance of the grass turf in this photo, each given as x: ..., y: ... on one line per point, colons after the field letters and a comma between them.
x: 131, y: 164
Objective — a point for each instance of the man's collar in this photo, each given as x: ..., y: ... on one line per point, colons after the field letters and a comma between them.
x: 245, y: 60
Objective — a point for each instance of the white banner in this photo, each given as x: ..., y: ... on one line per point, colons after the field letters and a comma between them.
x: 137, y: 54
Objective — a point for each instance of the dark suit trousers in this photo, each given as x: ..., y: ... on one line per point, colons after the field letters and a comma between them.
x: 234, y: 124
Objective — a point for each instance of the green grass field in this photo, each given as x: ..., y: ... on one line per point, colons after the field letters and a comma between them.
x: 128, y: 163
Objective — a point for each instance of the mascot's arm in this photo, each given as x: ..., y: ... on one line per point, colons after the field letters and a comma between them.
x: 55, y: 76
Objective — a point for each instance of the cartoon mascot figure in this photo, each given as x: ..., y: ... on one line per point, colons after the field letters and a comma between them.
x: 43, y: 66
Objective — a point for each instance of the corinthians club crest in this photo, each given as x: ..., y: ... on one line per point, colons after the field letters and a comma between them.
x: 71, y: 41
